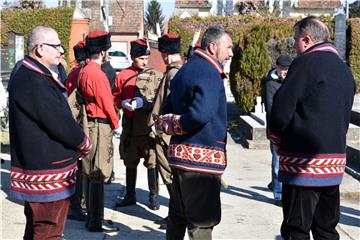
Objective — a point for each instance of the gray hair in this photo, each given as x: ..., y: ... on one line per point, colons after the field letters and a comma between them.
x: 314, y: 27
x: 37, y: 36
x: 213, y: 34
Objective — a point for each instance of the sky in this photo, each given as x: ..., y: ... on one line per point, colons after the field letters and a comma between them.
x: 166, y: 5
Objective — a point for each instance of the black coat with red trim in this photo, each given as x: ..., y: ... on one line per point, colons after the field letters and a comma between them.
x: 44, y: 137
x: 311, y: 111
x: 310, y: 118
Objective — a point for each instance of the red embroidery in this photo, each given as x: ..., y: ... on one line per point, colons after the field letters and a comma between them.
x: 312, y: 165
x: 197, y: 154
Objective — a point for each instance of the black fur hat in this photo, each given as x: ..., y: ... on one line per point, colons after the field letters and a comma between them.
x: 169, y: 43
x: 98, y: 41
x: 139, y: 48
x: 80, y: 51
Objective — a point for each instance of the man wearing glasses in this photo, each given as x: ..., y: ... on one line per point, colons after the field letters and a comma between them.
x: 59, y: 71
x: 45, y: 139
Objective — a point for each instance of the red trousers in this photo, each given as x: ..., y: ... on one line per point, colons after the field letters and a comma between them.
x: 45, y: 220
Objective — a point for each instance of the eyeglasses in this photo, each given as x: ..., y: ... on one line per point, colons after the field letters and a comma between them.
x: 62, y: 50
x: 55, y: 46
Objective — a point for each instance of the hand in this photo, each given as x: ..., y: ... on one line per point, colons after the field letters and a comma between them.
x: 163, y: 123
x: 156, y: 130
x: 137, y: 102
x: 117, y: 133
x: 126, y: 104
x: 170, y: 124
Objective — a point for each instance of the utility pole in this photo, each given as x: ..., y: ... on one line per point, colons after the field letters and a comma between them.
x: 347, y: 9
x: 105, y: 14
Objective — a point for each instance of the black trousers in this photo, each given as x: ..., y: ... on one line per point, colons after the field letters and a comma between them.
x: 310, y: 208
x: 194, y: 204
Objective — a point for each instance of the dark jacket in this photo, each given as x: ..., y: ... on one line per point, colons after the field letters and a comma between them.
x: 197, y: 94
x: 310, y: 118
x: 272, y: 84
x: 44, y: 137
x: 110, y: 74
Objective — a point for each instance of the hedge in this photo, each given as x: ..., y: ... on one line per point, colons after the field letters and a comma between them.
x: 258, y: 41
x: 24, y: 20
x: 354, y: 49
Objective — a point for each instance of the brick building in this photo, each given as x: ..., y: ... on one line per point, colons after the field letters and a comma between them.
x: 127, y: 21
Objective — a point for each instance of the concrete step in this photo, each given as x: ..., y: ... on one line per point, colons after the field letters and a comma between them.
x: 259, y: 117
x: 353, y: 160
x: 254, y: 132
x: 252, y: 129
x: 352, y: 136
x: 355, y: 117
x: 356, y: 103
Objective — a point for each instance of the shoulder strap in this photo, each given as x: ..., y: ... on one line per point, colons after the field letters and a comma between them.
x: 129, y: 78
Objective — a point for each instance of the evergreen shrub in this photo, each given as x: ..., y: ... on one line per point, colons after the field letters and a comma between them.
x: 251, y: 60
x: 354, y: 49
x: 258, y: 41
x: 24, y: 20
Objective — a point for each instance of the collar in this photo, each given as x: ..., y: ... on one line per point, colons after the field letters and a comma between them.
x: 212, y: 61
x: 322, y: 47
x: 137, y: 69
x: 274, y: 75
x: 94, y: 64
x: 174, y: 64
x: 36, y: 66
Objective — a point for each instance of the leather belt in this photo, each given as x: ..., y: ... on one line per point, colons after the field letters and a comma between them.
x: 99, y: 120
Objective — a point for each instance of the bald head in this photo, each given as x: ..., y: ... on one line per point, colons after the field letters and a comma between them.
x: 313, y: 27
x: 40, y: 34
x: 45, y: 46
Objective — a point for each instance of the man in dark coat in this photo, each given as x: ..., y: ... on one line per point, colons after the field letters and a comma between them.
x: 274, y: 80
x: 45, y: 140
x: 308, y: 123
x: 196, y: 117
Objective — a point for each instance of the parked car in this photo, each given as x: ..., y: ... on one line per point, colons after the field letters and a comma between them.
x: 118, y: 60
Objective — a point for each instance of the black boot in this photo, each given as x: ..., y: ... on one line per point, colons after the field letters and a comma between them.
x: 85, y: 188
x: 75, y: 210
x: 153, y: 189
x: 96, y: 221
x: 130, y: 196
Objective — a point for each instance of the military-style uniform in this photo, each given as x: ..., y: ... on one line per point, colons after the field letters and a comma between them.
x: 162, y: 140
x: 103, y: 119
x: 135, y: 141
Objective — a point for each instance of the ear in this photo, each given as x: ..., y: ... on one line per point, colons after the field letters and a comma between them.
x: 39, y: 51
x: 212, y: 47
x: 308, y: 41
